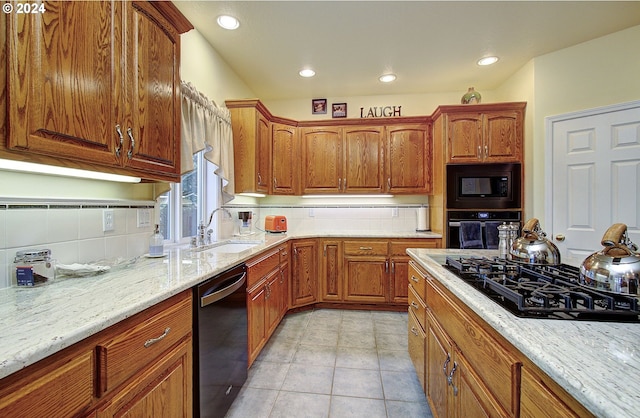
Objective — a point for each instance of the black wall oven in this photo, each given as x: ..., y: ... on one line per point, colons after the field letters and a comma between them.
x: 483, y: 186
x: 454, y: 218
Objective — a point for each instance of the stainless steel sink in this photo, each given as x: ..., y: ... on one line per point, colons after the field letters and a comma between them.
x: 229, y: 246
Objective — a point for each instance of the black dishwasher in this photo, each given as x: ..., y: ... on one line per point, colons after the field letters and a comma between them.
x: 220, y: 341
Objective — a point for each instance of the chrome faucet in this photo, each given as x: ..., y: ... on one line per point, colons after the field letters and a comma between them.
x: 200, y: 240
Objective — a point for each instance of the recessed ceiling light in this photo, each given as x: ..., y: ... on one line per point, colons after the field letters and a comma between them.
x: 307, y: 72
x: 487, y: 60
x: 228, y: 22
x: 387, y: 78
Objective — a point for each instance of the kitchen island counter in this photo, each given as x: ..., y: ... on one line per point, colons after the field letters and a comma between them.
x: 598, y: 363
x: 38, y: 322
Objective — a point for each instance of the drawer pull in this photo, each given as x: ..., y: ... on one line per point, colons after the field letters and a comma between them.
x: 445, y: 366
x: 119, y: 147
x: 414, y: 331
x: 366, y: 248
x: 415, y: 279
x: 414, y: 305
x: 152, y: 341
x: 133, y: 143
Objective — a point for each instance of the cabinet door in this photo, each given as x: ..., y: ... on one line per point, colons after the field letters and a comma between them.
x: 502, y: 138
x: 164, y: 390
x: 464, y: 137
x: 439, y: 363
x: 472, y: 399
x: 363, y: 160
x: 273, y: 305
x: 284, y: 160
x: 540, y: 400
x: 366, y: 279
x: 304, y: 274
x: 256, y: 324
x: 66, y: 93
x: 263, y: 154
x: 331, y: 270
x: 417, y: 348
x: 408, y: 164
x: 285, y: 274
x: 321, y: 160
x: 153, y: 144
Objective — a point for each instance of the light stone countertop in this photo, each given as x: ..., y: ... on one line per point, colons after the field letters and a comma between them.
x: 598, y: 363
x: 38, y: 322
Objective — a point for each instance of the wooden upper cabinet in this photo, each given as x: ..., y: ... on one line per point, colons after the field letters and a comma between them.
x: 408, y: 161
x: 66, y: 94
x: 154, y: 93
x: 252, y: 145
x: 492, y: 135
x: 96, y: 82
x: 321, y: 160
x: 284, y: 159
x: 363, y: 160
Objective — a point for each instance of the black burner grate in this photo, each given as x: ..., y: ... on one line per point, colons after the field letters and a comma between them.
x: 543, y: 291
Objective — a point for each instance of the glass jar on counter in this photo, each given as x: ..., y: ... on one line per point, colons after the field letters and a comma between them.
x: 34, y: 267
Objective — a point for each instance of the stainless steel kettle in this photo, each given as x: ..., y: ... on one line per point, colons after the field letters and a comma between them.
x: 615, y: 268
x: 533, y: 247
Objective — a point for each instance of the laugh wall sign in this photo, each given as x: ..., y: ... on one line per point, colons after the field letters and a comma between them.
x: 380, y: 112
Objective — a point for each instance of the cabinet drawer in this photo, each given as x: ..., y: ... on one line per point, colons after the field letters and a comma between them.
x: 400, y: 247
x: 495, y: 366
x: 419, y: 309
x: 259, y: 267
x: 418, y: 280
x: 365, y: 247
x: 141, y: 343
x: 64, y: 390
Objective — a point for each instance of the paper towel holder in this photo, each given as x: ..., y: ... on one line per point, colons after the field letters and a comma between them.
x: 422, y: 215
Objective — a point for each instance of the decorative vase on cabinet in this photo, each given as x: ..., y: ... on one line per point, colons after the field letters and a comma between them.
x: 471, y: 97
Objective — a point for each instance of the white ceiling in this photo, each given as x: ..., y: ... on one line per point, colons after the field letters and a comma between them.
x: 432, y: 46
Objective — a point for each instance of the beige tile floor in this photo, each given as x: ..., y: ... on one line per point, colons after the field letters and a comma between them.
x: 337, y: 364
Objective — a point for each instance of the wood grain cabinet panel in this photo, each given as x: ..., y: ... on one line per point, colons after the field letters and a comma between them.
x: 408, y: 161
x: 363, y: 160
x: 417, y: 348
x: 304, y: 272
x: 322, y: 159
x: 284, y: 160
x: 96, y: 84
x: 330, y: 274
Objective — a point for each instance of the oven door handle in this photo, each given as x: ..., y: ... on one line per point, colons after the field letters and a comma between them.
x: 214, y: 294
x: 454, y: 223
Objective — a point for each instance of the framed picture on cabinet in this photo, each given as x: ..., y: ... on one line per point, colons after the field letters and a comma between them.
x: 339, y: 110
x: 318, y: 106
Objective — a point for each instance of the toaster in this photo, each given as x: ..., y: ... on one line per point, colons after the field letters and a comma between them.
x: 275, y: 223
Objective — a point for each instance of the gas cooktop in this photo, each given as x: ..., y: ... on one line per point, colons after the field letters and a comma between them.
x: 543, y: 291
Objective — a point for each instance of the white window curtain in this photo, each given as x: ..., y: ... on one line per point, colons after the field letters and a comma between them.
x: 207, y: 126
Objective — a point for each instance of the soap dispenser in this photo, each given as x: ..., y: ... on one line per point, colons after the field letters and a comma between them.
x: 156, y: 243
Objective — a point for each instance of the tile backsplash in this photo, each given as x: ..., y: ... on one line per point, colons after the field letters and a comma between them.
x: 72, y: 231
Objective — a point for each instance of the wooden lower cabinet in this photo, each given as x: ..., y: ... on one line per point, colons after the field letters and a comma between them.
x: 152, y: 379
x: 470, y: 370
x: 164, y: 390
x: 304, y: 272
x: 267, y: 296
x: 417, y: 348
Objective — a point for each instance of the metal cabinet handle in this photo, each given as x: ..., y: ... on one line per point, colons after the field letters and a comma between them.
x: 259, y: 179
x: 344, y: 184
x: 445, y: 365
x: 393, y: 267
x: 479, y: 152
x: 486, y: 151
x: 414, y: 331
x: 414, y: 305
x: 415, y: 279
x: 388, y: 183
x: 275, y: 183
x: 152, y: 341
x: 133, y: 143
x: 119, y: 131
x: 386, y: 266
x: 450, y: 378
x: 339, y: 184
x: 366, y: 248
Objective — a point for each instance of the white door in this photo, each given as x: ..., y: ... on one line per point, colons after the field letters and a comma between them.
x: 592, y: 177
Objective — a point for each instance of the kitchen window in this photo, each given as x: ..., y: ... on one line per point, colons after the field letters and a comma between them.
x: 188, y: 202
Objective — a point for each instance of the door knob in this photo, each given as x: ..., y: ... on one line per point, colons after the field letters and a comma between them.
x: 560, y: 237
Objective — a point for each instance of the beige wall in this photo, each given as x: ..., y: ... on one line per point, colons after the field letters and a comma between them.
x: 597, y: 73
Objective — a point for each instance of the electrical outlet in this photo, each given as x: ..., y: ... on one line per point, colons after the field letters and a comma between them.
x: 144, y: 218
x: 312, y: 212
x: 108, y: 220
x: 394, y: 212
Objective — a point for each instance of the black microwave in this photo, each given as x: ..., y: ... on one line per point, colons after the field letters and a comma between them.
x: 483, y: 186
